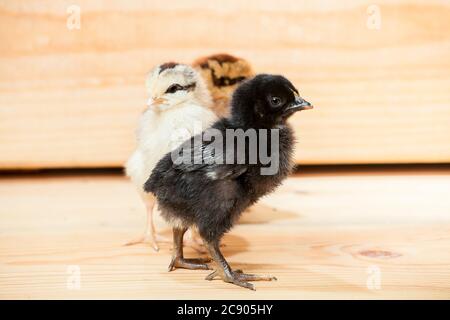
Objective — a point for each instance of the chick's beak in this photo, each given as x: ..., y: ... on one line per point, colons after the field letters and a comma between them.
x: 302, y: 104
x: 298, y: 105
x: 155, y: 102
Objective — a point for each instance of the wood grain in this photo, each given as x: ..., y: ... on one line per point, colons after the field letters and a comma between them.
x: 71, y: 98
x: 321, y: 235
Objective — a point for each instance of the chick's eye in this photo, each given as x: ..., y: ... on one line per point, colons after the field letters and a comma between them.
x: 174, y: 88
x: 276, y: 101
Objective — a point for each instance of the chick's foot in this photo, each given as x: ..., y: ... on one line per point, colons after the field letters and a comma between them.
x: 239, y: 278
x: 150, y: 239
x: 193, y: 264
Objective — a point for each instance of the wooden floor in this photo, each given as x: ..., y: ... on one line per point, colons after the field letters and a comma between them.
x: 323, y: 235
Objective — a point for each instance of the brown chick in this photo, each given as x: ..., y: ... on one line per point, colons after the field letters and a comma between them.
x: 222, y: 74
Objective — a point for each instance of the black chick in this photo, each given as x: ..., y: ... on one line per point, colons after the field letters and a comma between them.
x: 209, y: 194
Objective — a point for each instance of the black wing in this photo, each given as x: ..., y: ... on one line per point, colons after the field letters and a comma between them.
x: 213, y: 159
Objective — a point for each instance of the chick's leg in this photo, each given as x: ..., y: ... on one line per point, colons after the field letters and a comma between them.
x: 178, y: 260
x: 150, y: 235
x: 193, y: 240
x: 224, y: 271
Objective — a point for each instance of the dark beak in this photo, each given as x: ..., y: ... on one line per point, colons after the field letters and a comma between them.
x: 298, y: 105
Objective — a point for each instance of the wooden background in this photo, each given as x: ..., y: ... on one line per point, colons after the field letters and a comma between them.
x: 71, y: 98
x: 324, y: 236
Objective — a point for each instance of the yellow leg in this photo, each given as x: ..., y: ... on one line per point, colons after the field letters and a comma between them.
x: 193, y: 240
x: 150, y: 235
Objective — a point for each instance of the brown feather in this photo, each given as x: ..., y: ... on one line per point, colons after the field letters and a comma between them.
x: 222, y: 74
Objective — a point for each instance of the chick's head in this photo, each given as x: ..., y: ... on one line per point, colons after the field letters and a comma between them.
x: 266, y: 100
x: 223, y: 73
x: 171, y: 84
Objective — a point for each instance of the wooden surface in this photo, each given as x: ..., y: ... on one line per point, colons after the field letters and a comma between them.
x: 71, y: 98
x: 322, y: 235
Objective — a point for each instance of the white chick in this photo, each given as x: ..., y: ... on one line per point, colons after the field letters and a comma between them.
x: 179, y: 107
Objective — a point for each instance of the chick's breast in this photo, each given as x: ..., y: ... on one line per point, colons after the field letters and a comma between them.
x: 159, y: 133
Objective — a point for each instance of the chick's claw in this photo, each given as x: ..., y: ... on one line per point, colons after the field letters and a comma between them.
x: 192, y: 264
x: 253, y: 277
x: 243, y: 284
x: 152, y: 240
x: 239, y: 278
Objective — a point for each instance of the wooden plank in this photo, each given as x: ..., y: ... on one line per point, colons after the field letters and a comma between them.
x: 323, y: 236
x: 71, y: 98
